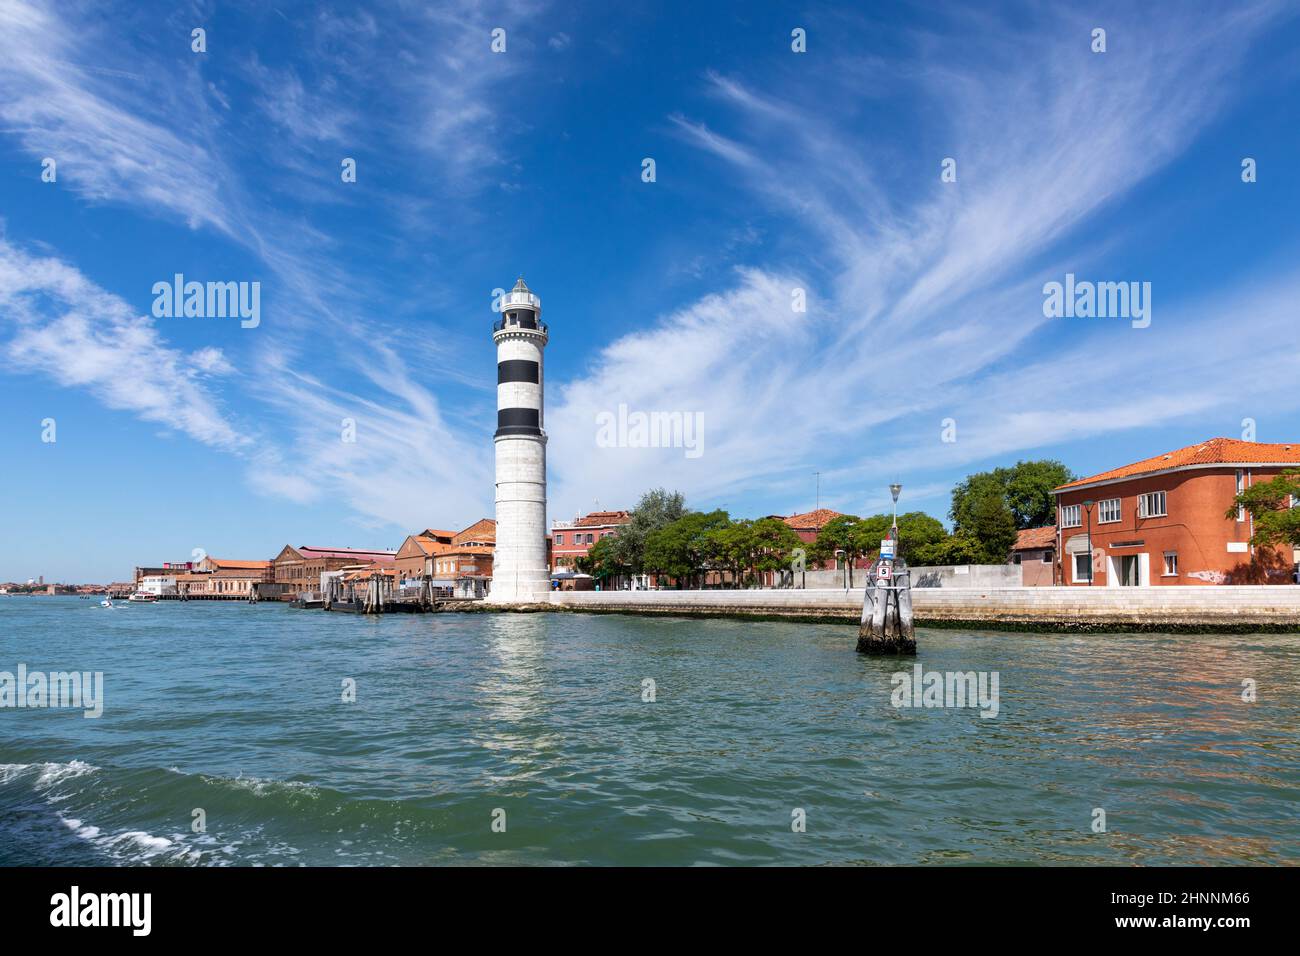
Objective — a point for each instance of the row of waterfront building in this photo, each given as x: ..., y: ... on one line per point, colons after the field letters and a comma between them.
x: 1159, y: 521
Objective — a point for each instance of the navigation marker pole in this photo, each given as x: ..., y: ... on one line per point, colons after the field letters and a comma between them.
x: 886, y: 626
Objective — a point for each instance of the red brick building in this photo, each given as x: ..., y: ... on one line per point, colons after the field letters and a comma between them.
x: 469, y: 554
x: 412, y: 556
x: 1161, y: 521
x: 571, y: 540
x: 808, y: 525
x: 299, y: 569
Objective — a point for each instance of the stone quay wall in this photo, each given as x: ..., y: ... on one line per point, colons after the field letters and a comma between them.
x: 1227, y: 608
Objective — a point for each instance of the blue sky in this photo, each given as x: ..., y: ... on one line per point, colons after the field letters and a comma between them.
x: 775, y: 170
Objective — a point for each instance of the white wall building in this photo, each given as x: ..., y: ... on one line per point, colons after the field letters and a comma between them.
x: 158, y: 584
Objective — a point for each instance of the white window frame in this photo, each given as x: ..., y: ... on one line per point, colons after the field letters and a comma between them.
x: 1144, y: 505
x: 1168, y: 573
x: 1241, y: 486
x: 1074, y: 568
x: 1071, y: 510
x: 1101, y: 511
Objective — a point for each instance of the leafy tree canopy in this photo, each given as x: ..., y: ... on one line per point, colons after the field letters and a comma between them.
x: 655, y: 510
x: 1270, y: 504
x: 1026, y: 488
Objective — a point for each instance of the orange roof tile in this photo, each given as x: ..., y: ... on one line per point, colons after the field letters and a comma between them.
x: 485, y: 529
x: 1216, y: 451
x: 1035, y: 538
x: 430, y: 545
x: 811, y: 519
x: 380, y: 555
x: 239, y: 565
x: 599, y: 518
x: 368, y: 571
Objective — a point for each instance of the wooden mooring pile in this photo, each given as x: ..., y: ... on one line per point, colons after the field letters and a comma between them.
x: 887, y: 626
x: 376, y: 594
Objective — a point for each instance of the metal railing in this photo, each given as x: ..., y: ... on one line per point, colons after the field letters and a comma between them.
x: 531, y: 325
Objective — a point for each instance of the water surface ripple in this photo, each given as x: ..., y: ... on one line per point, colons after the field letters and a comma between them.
x: 236, y: 709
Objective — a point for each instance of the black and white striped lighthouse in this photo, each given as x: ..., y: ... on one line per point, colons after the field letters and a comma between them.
x: 519, y: 567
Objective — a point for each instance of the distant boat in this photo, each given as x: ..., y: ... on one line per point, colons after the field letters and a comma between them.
x: 142, y: 597
x: 106, y: 603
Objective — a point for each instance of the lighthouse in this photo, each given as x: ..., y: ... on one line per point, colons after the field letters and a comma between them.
x: 519, y: 568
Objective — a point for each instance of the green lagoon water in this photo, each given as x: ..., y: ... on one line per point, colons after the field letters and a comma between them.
x: 236, y: 709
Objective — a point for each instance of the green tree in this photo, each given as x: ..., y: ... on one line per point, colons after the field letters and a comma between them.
x: 1026, y: 488
x: 775, y: 543
x: 840, y: 538
x: 953, y: 549
x: 656, y: 509
x: 1275, y: 507
x: 1029, y: 491
x: 600, y: 561
x: 686, y: 547
x: 989, y: 521
x: 917, y: 533
x: 731, y: 546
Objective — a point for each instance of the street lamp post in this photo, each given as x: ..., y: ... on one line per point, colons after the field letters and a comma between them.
x: 1087, y: 506
x: 894, y: 489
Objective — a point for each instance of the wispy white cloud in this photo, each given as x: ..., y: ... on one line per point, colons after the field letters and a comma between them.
x: 82, y: 336
x: 921, y: 297
x: 57, y: 106
x: 182, y: 155
x: 392, y: 460
x: 929, y: 294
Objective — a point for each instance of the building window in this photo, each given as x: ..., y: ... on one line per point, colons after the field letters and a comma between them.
x: 1070, y: 517
x: 1108, y: 511
x: 1047, y: 557
x: 1152, y: 505
x: 1083, y: 567
x: 1241, y: 486
x: 1171, y: 564
x: 1016, y: 558
x: 559, y: 539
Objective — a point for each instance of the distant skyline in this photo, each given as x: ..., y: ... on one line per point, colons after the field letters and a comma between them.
x: 781, y: 179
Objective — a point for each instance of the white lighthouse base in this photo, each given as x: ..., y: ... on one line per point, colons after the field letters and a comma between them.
x: 520, y: 590
x: 520, y: 574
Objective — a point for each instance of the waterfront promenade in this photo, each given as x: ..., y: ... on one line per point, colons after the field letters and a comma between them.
x: 1221, y: 608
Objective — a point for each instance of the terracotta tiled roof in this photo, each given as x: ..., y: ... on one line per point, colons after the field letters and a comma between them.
x: 367, y: 572
x: 1033, y: 538
x: 385, y: 557
x: 431, y: 545
x: 485, y: 529
x: 436, y: 533
x: 467, y: 549
x: 224, y: 565
x: 1216, y: 451
x: 598, y: 518
x: 811, y: 519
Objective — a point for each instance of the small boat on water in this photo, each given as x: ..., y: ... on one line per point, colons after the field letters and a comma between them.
x: 142, y: 597
x: 107, y: 602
